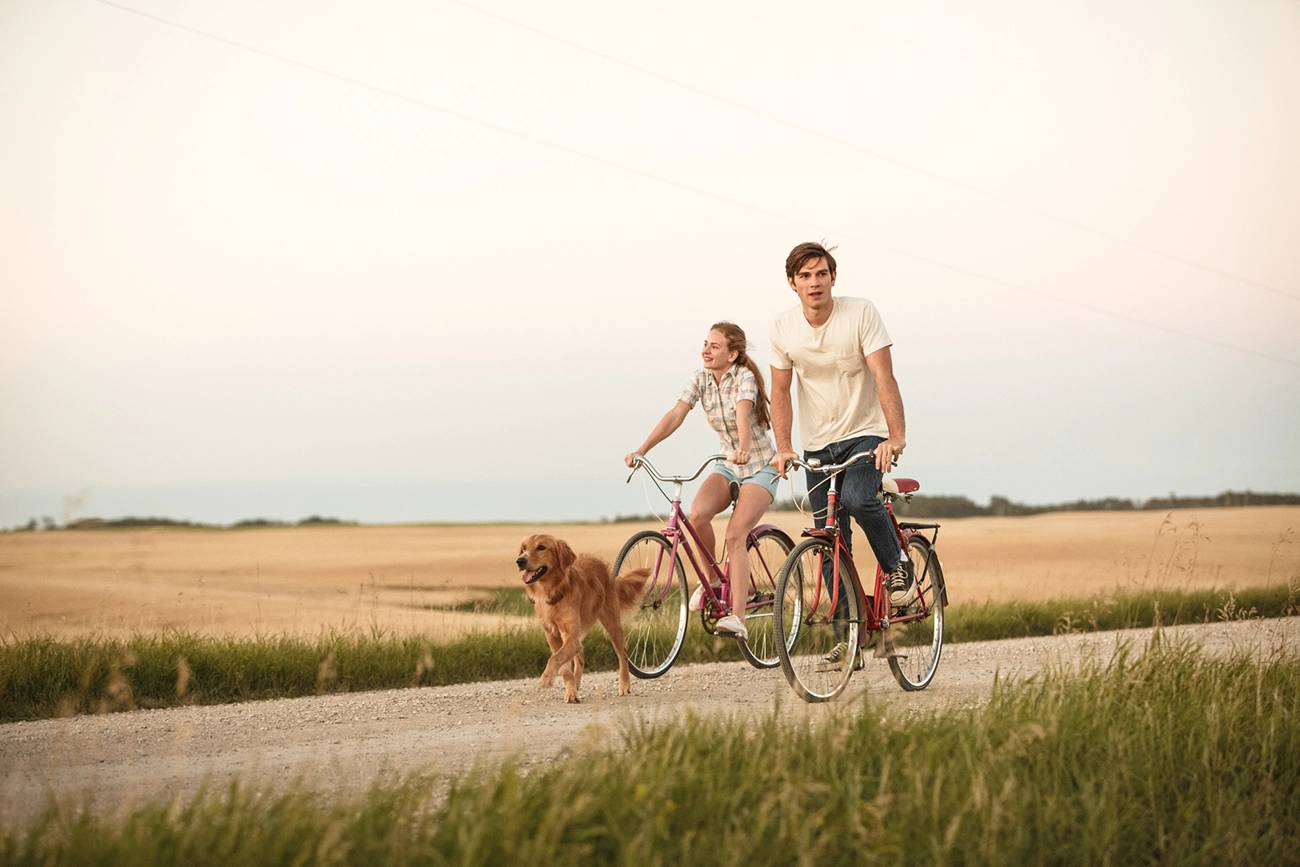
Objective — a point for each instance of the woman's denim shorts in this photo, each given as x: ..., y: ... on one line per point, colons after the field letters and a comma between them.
x: 766, y: 477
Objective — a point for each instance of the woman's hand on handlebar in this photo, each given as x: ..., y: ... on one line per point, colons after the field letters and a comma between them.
x: 740, y: 456
x: 631, y: 458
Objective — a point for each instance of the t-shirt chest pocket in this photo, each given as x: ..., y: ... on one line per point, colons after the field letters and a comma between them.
x: 827, y: 362
x: 850, y: 365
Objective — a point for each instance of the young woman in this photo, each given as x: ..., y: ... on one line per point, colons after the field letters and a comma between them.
x: 730, y: 387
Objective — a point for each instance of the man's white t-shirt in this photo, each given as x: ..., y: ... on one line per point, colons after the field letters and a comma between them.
x: 837, y: 393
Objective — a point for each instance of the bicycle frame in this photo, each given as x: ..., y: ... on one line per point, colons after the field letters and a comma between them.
x: 681, y: 532
x: 677, y: 523
x: 876, y: 616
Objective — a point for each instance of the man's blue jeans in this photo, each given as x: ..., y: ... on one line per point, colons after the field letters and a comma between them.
x: 857, y: 496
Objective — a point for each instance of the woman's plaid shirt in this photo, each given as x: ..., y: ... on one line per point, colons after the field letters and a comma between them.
x: 719, y: 402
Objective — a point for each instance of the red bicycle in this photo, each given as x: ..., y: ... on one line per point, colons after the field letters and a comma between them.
x: 824, y: 619
x: 655, y: 631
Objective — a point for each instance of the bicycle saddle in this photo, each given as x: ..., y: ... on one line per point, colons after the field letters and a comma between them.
x: 899, y: 486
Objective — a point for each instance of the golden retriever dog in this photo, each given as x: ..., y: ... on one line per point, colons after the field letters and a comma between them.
x: 570, y: 592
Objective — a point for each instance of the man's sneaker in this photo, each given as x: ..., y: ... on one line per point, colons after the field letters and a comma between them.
x: 901, y: 583
x: 732, y: 625
x: 834, y: 660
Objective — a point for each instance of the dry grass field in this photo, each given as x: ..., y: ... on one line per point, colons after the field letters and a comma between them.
x: 302, y: 580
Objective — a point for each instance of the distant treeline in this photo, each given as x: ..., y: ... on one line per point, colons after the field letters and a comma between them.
x: 131, y: 523
x: 962, y: 507
x: 942, y: 506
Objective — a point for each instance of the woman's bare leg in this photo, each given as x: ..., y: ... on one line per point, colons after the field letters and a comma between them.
x: 713, y: 496
x: 750, y: 506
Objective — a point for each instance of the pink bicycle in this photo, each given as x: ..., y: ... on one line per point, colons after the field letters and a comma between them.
x: 655, y: 631
x: 825, y: 619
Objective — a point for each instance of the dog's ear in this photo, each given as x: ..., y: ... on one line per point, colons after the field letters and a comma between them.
x: 564, y: 554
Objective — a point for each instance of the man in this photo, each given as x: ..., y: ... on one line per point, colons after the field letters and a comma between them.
x: 848, y: 402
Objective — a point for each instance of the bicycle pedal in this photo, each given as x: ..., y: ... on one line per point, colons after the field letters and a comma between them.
x: 885, y: 647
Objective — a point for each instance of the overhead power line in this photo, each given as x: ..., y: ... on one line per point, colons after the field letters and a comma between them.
x: 844, y: 143
x: 758, y: 209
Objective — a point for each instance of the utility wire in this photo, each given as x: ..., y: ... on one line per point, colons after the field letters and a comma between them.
x: 698, y: 190
x: 935, y: 176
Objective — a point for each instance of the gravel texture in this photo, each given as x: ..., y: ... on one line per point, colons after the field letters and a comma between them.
x: 112, y: 762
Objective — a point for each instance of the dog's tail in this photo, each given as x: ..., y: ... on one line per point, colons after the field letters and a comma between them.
x: 631, y: 587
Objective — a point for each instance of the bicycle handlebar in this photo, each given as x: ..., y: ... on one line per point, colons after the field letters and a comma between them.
x: 818, y: 467
x: 639, y: 461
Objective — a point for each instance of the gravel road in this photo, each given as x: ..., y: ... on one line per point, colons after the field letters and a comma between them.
x: 347, y: 741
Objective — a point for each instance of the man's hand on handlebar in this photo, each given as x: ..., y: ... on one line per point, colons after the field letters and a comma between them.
x: 781, y: 462
x: 888, y: 453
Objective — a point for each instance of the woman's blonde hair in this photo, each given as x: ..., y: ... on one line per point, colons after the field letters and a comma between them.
x: 736, y: 342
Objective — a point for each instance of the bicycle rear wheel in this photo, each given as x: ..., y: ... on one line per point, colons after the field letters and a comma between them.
x: 656, y: 628
x: 767, y: 551
x: 920, y: 642
x: 817, y: 621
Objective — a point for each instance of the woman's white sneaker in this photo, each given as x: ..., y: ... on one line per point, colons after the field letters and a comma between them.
x: 697, y: 598
x: 732, y: 625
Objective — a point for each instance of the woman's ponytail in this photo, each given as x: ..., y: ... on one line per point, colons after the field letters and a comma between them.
x: 736, y: 341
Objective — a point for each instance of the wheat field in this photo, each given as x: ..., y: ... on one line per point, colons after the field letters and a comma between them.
x: 402, y: 578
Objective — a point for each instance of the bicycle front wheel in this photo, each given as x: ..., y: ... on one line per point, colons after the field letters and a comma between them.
x: 817, y: 621
x: 920, y: 642
x: 654, y: 631
x: 767, y: 551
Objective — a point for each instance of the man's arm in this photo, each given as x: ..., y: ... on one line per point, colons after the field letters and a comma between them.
x: 881, y: 365
x: 782, y: 418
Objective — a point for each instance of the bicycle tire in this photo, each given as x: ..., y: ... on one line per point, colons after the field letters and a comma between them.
x: 808, y: 630
x: 655, y: 630
x: 921, y: 641
x: 767, y: 552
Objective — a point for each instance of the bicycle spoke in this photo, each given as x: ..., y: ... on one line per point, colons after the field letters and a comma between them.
x: 919, y: 641
x: 817, y: 620
x: 655, y: 630
x: 767, y: 550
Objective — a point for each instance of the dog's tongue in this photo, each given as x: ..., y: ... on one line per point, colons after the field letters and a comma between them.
x: 528, y: 576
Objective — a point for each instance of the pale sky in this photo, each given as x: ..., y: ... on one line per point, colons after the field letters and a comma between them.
x: 404, y: 261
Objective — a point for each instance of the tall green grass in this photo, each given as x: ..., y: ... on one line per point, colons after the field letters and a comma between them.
x: 1122, y: 610
x: 1014, y: 618
x: 1167, y: 758
x: 45, y: 677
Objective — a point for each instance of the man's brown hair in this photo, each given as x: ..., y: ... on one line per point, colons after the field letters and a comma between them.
x: 805, y: 253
